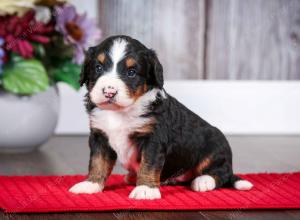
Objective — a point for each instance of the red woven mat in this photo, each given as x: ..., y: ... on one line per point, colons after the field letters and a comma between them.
x: 50, y: 194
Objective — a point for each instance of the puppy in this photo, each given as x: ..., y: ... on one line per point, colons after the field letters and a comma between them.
x: 156, y: 138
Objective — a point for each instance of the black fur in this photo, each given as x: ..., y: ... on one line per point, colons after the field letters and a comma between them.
x: 181, y: 139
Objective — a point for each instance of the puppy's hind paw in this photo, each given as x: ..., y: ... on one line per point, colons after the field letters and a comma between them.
x: 87, y: 187
x: 203, y: 183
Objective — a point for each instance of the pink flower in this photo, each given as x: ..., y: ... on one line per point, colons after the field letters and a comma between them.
x: 77, y: 30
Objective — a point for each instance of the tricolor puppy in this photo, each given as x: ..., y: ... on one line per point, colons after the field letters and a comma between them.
x: 156, y: 138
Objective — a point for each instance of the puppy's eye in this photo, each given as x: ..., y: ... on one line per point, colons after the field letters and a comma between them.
x: 131, y: 73
x: 99, y: 68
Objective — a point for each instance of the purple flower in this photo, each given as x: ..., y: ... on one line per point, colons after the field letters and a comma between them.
x: 2, y: 54
x: 77, y: 30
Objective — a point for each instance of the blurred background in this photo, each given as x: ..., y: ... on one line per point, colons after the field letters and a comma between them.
x: 213, y: 39
x: 236, y: 63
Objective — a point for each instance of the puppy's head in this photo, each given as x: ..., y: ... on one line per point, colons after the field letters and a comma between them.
x: 119, y: 71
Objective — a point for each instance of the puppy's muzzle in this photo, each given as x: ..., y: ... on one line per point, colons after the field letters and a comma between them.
x: 109, y: 92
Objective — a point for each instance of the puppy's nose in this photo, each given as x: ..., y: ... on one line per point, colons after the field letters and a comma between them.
x: 109, y: 92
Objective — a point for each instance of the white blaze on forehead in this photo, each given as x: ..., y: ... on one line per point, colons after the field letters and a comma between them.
x: 111, y: 78
x: 117, y: 51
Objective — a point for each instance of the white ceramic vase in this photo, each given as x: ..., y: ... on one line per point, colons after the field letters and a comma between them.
x: 26, y: 122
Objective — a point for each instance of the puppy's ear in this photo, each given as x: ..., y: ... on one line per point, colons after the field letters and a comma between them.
x: 86, y: 67
x: 156, y: 70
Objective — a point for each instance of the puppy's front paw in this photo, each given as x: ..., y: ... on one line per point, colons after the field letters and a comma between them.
x: 203, y: 183
x: 86, y: 187
x: 145, y: 192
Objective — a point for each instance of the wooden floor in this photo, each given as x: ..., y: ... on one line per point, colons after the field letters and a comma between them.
x: 69, y: 155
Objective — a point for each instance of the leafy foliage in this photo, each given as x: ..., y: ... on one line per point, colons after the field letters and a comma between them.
x: 25, y: 77
x: 68, y: 72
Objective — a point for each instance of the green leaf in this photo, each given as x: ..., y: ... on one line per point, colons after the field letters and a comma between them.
x: 69, y: 73
x: 25, y: 77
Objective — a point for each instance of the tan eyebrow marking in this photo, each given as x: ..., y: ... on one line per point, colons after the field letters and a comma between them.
x: 130, y: 62
x: 101, y: 57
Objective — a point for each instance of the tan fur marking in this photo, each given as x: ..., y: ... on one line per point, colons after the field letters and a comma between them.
x: 100, y: 168
x: 147, y: 176
x: 101, y: 57
x: 141, y: 90
x: 130, y: 62
x: 204, y: 164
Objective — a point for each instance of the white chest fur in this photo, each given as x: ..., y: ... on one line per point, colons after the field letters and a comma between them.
x: 118, y: 126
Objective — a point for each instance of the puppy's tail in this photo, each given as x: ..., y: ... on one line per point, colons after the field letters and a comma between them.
x: 240, y: 184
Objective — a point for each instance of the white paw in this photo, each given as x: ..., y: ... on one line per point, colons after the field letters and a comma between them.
x: 203, y: 183
x: 145, y: 192
x: 86, y: 187
x: 243, y: 185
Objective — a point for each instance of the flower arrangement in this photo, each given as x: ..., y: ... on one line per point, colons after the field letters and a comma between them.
x: 42, y: 42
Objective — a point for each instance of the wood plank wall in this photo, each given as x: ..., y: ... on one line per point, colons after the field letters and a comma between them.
x: 212, y: 39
